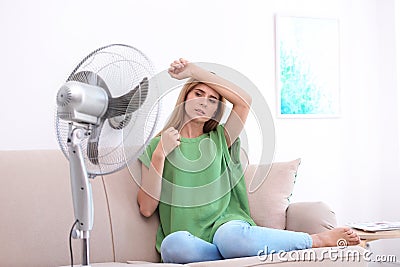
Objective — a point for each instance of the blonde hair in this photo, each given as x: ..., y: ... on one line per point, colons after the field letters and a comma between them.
x: 176, y: 119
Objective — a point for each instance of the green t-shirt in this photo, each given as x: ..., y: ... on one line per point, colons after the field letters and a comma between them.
x: 203, y: 186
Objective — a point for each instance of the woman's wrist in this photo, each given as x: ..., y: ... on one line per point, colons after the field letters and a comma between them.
x: 195, y: 71
x: 158, y: 153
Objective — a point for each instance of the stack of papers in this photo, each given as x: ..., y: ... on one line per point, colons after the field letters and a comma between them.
x: 376, y: 226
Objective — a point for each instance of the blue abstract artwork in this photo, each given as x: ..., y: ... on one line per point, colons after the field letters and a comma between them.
x: 307, y: 67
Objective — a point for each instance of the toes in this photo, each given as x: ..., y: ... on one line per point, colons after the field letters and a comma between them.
x: 353, y: 243
x: 353, y: 234
x: 353, y: 239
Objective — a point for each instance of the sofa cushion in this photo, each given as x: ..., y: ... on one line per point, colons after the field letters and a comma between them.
x: 269, y: 189
x: 350, y: 256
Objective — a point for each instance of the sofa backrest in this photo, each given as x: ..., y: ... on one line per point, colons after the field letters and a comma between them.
x: 36, y: 203
x: 134, y: 235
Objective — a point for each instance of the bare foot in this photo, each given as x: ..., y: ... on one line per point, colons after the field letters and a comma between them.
x: 343, y: 236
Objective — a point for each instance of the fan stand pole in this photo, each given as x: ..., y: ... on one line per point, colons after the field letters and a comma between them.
x: 85, y: 249
x: 81, y: 189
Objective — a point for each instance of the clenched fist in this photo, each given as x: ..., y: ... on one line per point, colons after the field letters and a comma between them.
x: 170, y: 139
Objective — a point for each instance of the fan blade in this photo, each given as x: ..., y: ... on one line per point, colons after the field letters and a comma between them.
x: 93, y: 144
x: 122, y: 105
x: 129, y: 102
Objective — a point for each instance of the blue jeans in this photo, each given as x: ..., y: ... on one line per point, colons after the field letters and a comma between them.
x: 233, y: 239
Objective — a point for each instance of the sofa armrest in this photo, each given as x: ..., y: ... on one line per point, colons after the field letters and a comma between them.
x: 310, y: 217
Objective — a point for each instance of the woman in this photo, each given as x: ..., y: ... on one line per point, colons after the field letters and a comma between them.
x: 190, y: 172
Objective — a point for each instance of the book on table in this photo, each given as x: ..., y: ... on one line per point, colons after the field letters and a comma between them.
x: 375, y: 226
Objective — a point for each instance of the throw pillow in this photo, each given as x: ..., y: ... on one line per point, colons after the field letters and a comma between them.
x: 310, y: 217
x: 269, y: 188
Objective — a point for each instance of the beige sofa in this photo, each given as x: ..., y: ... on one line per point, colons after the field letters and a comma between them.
x: 35, y: 198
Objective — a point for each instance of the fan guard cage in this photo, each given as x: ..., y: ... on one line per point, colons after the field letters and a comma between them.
x: 119, y: 68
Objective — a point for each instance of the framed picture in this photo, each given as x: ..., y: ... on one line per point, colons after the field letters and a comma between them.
x: 307, y: 67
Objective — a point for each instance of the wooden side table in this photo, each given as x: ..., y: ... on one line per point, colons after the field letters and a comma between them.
x: 367, y: 237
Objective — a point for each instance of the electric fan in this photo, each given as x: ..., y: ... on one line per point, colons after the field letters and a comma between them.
x: 106, y: 114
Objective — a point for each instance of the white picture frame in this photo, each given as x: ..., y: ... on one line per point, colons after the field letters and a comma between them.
x: 307, y: 67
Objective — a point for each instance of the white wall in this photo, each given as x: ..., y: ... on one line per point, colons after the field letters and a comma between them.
x: 352, y: 162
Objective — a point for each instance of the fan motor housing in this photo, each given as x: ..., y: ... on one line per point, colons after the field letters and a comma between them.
x: 81, y: 102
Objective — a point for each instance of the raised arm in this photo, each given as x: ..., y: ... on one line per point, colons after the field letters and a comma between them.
x: 241, y: 100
